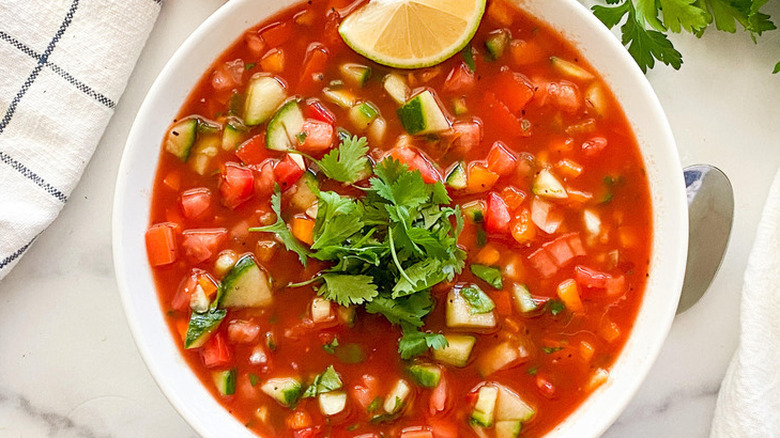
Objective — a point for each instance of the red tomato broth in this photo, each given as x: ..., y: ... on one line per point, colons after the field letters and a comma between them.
x: 556, y: 381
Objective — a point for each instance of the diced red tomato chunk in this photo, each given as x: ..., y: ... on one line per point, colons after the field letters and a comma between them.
x: 588, y: 277
x: 195, y: 202
x: 287, y: 172
x: 412, y: 158
x: 253, y: 151
x: 497, y: 217
x: 202, y: 244
x: 161, y: 244
x: 541, y: 260
x: 215, y: 353
x: 264, y: 179
x: 594, y: 146
x: 416, y: 432
x: 243, y: 332
x: 318, y: 136
x: 500, y: 160
x: 316, y: 110
x: 514, y: 90
x: 465, y: 136
x: 313, y: 72
x: 460, y: 80
x: 503, y: 119
x: 237, y: 185
x: 564, y: 95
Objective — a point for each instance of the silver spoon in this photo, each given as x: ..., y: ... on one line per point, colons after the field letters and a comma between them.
x: 710, y: 215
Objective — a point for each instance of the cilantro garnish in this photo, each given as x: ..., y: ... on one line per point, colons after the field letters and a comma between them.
x: 646, y: 23
x: 330, y: 347
x: 328, y: 381
x: 388, y: 248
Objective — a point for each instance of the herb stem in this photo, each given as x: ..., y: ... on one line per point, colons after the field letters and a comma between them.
x: 395, y: 256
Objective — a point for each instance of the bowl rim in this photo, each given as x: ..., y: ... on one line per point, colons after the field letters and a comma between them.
x: 203, y: 418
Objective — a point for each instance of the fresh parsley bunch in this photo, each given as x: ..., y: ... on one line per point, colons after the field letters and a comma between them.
x: 387, y: 248
x: 646, y: 23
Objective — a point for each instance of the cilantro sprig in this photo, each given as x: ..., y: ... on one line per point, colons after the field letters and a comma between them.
x: 388, y: 248
x: 647, y: 22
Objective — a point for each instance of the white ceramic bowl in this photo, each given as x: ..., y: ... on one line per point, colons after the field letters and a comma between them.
x: 132, y: 204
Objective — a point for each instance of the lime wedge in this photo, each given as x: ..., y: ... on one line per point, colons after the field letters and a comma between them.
x: 411, y: 33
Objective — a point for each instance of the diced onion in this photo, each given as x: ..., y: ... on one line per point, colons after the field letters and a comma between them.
x: 544, y: 217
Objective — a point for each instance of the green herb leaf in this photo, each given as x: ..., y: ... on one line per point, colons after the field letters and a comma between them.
x: 330, y: 347
x: 477, y: 299
x: 490, y: 274
x: 348, y: 289
x: 414, y: 342
x: 327, y: 381
x: 551, y: 350
x: 348, y: 162
x: 282, y: 232
x: 555, y: 307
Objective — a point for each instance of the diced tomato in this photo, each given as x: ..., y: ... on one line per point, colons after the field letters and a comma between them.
x: 497, y: 217
x: 215, y: 352
x: 465, y: 137
x: 588, y: 277
x: 513, y: 197
x: 304, y: 433
x: 243, y: 332
x: 228, y: 75
x: 546, y: 387
x: 616, y: 286
x: 254, y: 43
x: 173, y: 180
x: 236, y: 185
x: 201, y: 244
x: 443, y: 428
x: 460, y: 80
x: 514, y: 90
x: 273, y: 61
x: 564, y: 95
x: 316, y: 110
x: 303, y: 229
x: 416, y: 432
x: 161, y: 244
x: 523, y: 229
x: 412, y: 158
x: 319, y: 136
x: 245, y: 390
x: 313, y: 68
x: 253, y: 151
x: 300, y: 419
x: 287, y: 172
x: 541, y: 260
x: 480, y: 179
x: 594, y: 146
x: 366, y: 391
x: 439, y: 397
x: 500, y: 160
x: 195, y: 202
x: 181, y: 300
x: 277, y: 34
x: 265, y: 179
x: 525, y: 52
x: 503, y: 303
x: 560, y: 251
x: 502, y: 118
x: 575, y: 243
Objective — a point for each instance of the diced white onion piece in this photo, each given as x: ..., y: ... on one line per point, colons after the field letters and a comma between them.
x: 544, y: 217
x: 225, y: 262
x: 258, y: 356
x: 199, y: 302
x: 592, y: 222
x: 313, y: 210
x: 321, y: 310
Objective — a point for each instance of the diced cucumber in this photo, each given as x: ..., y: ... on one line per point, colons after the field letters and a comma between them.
x: 459, y: 314
x: 457, y: 351
x: 491, y: 275
x: 181, y: 137
x: 547, y: 185
x: 246, y: 285
x: 208, y: 127
x: 342, y: 134
x: 499, y: 357
x: 523, y: 300
x: 511, y: 407
x: 484, y: 410
x: 596, y: 96
x: 264, y: 95
x: 321, y: 310
x: 343, y: 98
x: 570, y: 69
x: 355, y: 74
x: 206, y: 148
x: 304, y: 192
x: 284, y: 127
x: 285, y: 390
x: 426, y: 375
x: 347, y: 315
x: 396, y: 399
x: 201, y: 326
x: 508, y: 428
x: 331, y: 403
x: 477, y: 299
x: 497, y: 42
x: 422, y: 115
x: 233, y: 134
x: 456, y: 177
x: 377, y: 131
x: 474, y: 211
x: 459, y: 106
x: 362, y: 115
x: 225, y: 381
x: 397, y: 88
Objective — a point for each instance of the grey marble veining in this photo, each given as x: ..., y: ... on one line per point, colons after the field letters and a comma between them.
x: 69, y: 367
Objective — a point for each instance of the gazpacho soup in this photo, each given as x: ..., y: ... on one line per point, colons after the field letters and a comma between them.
x: 345, y: 249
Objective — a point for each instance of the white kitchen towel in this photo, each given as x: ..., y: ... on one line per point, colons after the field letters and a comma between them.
x: 63, y: 66
x: 749, y: 400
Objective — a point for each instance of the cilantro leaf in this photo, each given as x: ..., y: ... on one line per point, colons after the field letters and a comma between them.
x: 410, y: 309
x: 282, y: 232
x: 490, y: 274
x: 337, y: 219
x: 477, y: 299
x: 348, y: 289
x: 327, y: 381
x: 424, y: 275
x: 414, y: 342
x: 684, y: 14
x: 330, y: 347
x: 348, y: 162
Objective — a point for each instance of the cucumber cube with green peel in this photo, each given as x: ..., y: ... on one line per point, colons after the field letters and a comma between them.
x: 422, y: 115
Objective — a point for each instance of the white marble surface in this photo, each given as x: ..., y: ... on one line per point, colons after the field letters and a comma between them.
x: 68, y: 364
